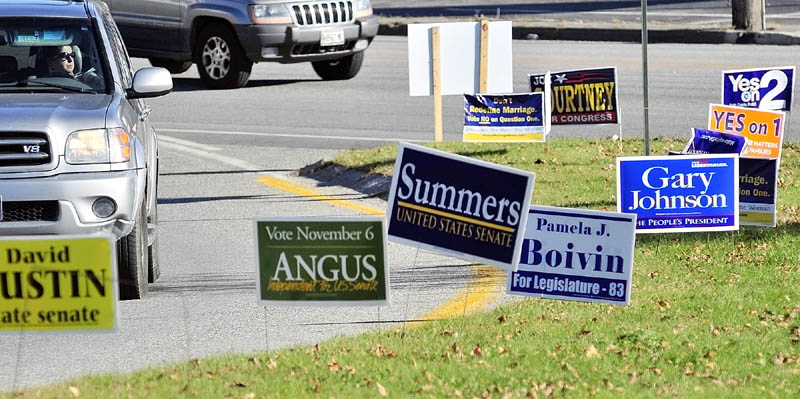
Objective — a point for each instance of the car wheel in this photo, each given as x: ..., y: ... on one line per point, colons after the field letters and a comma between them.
x: 172, y: 66
x: 153, y: 265
x: 339, y: 69
x: 132, y: 260
x: 220, y: 60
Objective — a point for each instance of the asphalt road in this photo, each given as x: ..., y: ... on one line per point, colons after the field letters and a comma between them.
x: 216, y: 144
x: 288, y: 106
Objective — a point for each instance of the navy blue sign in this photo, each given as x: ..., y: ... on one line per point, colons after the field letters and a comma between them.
x: 576, y: 254
x: 581, y: 97
x: 758, y: 188
x: 712, y: 142
x: 680, y: 193
x: 458, y: 206
x: 769, y: 88
x: 504, y: 118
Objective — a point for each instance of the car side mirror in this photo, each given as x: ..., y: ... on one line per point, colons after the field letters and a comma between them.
x: 150, y: 82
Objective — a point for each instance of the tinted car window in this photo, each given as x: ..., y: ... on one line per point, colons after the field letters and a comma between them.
x: 41, y: 54
x: 118, y: 49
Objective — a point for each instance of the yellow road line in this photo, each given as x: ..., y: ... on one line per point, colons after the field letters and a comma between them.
x: 480, y: 290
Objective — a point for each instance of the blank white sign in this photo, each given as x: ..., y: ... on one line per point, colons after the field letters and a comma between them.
x: 460, y: 48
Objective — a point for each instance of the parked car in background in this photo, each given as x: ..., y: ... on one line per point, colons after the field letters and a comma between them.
x: 225, y: 37
x: 78, y: 154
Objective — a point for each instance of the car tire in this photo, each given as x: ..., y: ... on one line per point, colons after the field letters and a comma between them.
x: 132, y: 260
x: 339, y: 69
x: 174, y: 67
x: 220, y: 59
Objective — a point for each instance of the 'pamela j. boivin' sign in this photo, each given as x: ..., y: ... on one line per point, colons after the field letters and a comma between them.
x: 576, y: 254
x: 321, y: 261
x: 458, y: 206
x: 518, y: 117
x: 680, y: 193
x: 58, y: 283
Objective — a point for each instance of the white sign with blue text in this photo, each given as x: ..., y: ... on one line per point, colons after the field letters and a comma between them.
x: 577, y: 255
x: 672, y: 194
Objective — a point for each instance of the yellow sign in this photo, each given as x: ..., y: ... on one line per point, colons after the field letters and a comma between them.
x: 763, y: 129
x: 58, y: 283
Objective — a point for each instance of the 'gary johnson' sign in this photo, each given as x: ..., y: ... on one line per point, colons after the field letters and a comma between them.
x: 459, y: 206
x: 680, y: 193
x: 576, y: 254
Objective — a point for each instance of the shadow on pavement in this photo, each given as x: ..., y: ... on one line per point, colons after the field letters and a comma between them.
x: 194, y: 84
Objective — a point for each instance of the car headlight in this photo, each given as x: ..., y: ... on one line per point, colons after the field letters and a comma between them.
x: 269, y: 14
x: 98, y: 146
x: 363, y: 8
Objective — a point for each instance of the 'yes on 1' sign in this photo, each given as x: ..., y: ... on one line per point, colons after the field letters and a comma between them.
x: 765, y: 88
x: 458, y: 206
x: 576, y: 254
x: 680, y: 193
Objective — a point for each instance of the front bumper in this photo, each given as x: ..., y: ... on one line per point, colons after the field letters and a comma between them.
x: 291, y: 43
x: 75, y: 193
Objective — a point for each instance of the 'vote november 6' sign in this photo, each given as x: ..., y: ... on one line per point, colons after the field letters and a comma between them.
x: 459, y: 206
x: 576, y: 254
x: 321, y: 261
x: 680, y: 193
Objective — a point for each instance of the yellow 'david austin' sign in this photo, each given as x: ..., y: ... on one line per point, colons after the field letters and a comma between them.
x: 57, y: 284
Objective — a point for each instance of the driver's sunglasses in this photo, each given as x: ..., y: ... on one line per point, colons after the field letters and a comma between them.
x: 64, y: 56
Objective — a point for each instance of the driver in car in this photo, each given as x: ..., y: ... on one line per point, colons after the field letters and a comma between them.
x: 61, y: 62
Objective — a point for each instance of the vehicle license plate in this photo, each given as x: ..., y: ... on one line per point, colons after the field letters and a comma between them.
x: 331, y: 38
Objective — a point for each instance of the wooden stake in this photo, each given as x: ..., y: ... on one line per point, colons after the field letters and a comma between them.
x: 484, y: 72
x: 437, y: 86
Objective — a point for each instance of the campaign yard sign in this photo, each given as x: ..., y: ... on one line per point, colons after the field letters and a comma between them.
x: 576, y: 254
x: 58, y: 283
x: 505, y: 118
x: 458, y: 206
x: 710, y: 142
x: 758, y: 191
x: 680, y: 193
x: 581, y: 97
x: 765, y: 88
x: 321, y: 261
x: 763, y: 129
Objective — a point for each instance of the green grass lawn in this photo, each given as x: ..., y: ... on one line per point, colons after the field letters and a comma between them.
x: 711, y: 315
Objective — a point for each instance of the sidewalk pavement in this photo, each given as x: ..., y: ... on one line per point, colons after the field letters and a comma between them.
x: 620, y: 25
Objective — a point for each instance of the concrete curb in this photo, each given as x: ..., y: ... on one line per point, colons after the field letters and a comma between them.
x: 328, y: 173
x: 694, y: 36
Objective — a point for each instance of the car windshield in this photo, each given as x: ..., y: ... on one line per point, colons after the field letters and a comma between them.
x: 50, y: 55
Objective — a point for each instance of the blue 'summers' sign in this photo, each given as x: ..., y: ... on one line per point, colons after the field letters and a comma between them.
x: 459, y: 206
x: 576, y: 254
x: 680, y: 193
x: 768, y: 88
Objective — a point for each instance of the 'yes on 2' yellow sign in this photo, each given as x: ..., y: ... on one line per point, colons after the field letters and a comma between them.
x: 58, y: 283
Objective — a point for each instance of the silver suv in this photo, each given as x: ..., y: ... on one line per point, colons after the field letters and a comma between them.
x: 225, y: 37
x: 77, y: 152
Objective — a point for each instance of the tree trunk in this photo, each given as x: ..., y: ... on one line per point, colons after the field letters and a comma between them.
x: 748, y: 14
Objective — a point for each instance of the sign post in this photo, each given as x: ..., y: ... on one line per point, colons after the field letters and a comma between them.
x: 438, y: 135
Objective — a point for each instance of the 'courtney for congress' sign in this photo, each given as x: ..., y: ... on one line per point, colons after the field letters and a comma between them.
x: 680, y: 193
x: 322, y: 261
x: 458, y: 205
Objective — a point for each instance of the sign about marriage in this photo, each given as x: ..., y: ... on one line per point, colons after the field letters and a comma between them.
x: 581, y: 97
x: 758, y: 191
x: 765, y: 88
x: 763, y: 129
x: 505, y: 118
x: 58, y: 283
x: 458, y: 206
x: 576, y: 254
x: 321, y: 261
x: 680, y: 193
x: 710, y: 142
